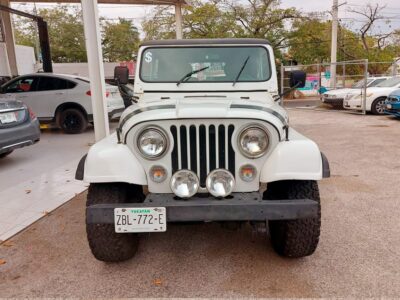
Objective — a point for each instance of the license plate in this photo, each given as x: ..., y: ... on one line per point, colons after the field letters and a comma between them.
x: 8, y: 118
x: 148, y: 219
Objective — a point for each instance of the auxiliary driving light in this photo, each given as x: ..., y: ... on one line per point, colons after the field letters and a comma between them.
x: 248, y: 173
x: 220, y: 183
x: 184, y: 183
x: 158, y: 174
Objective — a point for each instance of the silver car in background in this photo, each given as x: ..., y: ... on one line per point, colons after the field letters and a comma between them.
x: 19, y: 127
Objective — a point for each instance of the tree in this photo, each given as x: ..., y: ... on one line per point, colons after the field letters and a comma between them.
x: 222, y: 19
x: 120, y: 40
x: 264, y: 19
x: 65, y: 28
x: 200, y: 20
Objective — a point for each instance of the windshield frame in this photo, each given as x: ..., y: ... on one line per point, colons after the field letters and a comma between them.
x: 207, y: 46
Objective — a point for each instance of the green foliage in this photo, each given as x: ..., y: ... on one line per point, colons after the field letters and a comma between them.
x: 65, y: 28
x: 120, y: 40
x: 220, y: 19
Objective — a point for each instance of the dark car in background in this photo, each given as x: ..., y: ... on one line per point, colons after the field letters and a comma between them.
x: 19, y: 126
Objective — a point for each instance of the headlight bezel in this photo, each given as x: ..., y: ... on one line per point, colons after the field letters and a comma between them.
x: 162, y: 133
x: 241, y: 134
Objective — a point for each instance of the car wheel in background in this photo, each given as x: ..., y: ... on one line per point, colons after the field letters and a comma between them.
x: 2, y: 155
x: 72, y: 121
x: 378, y: 106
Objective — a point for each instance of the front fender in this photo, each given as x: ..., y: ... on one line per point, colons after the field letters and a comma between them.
x: 108, y: 161
x: 299, y: 158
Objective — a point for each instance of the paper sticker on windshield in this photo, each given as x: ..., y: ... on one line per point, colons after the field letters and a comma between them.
x: 148, y: 57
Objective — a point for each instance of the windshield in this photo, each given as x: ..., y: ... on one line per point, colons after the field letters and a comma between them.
x: 360, y: 84
x: 220, y: 64
x: 390, y: 82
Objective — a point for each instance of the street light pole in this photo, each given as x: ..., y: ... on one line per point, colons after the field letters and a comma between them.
x: 178, y: 20
x: 335, y: 13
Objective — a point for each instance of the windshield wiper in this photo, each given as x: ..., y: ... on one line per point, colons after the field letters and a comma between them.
x: 188, y: 75
x: 241, y: 70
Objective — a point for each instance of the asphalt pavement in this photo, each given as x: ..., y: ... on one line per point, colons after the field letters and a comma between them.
x: 357, y: 255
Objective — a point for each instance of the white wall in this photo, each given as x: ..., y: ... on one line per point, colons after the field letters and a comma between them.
x: 81, y: 69
x: 25, y: 60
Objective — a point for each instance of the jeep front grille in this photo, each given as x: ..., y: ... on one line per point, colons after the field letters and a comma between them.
x: 202, y: 149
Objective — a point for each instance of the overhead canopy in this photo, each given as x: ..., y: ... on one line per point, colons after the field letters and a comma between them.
x: 149, y: 2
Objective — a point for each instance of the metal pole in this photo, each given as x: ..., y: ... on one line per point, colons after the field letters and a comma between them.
x: 44, y: 45
x: 319, y: 80
x: 344, y: 74
x: 9, y: 38
x: 96, y: 68
x: 364, y: 98
x: 178, y: 21
x: 282, y: 82
x: 37, y: 40
x: 335, y: 12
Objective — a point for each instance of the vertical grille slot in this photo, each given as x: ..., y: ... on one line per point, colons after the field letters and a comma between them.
x: 202, y: 149
x: 231, y: 152
x: 174, y: 153
x: 203, y: 155
x: 193, y: 149
x: 184, y: 150
x: 221, y: 146
x: 211, y: 139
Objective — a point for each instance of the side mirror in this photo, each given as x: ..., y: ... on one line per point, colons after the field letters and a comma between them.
x: 297, y: 79
x: 121, y: 74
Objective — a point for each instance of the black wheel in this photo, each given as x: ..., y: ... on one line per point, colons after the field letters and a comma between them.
x: 378, y: 106
x: 105, y: 243
x: 72, y: 121
x: 294, y: 238
x: 2, y: 155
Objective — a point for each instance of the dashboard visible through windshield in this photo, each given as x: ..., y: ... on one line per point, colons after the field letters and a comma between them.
x: 218, y: 64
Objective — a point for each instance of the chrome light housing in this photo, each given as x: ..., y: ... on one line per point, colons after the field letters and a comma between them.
x: 220, y: 183
x: 152, y: 142
x: 184, y: 183
x: 253, y: 141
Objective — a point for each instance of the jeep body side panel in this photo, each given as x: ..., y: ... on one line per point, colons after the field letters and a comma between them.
x: 299, y: 158
x: 108, y: 161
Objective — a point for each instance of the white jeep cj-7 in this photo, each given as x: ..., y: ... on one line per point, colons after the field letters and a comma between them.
x: 206, y: 131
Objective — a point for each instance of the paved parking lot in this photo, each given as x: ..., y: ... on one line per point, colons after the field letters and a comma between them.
x: 357, y: 256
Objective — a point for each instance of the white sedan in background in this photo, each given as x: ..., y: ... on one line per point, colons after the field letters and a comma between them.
x: 375, y: 98
x: 335, y: 97
x: 62, y: 99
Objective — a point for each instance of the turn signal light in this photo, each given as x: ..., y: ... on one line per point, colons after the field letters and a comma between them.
x: 158, y: 174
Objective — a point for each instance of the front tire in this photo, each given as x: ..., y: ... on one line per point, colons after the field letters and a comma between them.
x: 72, y: 121
x: 105, y: 244
x: 378, y: 106
x: 294, y: 238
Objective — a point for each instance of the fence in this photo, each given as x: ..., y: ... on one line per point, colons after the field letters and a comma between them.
x: 347, y: 73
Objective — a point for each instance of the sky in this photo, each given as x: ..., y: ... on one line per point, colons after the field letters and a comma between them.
x: 392, y: 11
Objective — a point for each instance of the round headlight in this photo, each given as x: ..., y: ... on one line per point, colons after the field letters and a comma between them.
x: 184, y: 183
x: 253, y: 142
x: 152, y: 143
x: 220, y: 183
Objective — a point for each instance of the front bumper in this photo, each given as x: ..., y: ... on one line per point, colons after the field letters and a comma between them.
x: 22, y: 135
x: 241, y: 207
x: 333, y: 101
x: 352, y: 104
